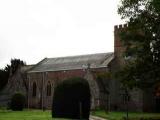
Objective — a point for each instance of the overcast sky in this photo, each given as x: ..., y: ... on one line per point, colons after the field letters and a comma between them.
x: 34, y: 29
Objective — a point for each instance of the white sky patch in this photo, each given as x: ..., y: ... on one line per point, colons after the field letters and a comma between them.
x: 34, y: 29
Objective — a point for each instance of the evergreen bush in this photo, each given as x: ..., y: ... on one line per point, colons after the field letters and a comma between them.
x: 72, y: 99
x: 17, y: 102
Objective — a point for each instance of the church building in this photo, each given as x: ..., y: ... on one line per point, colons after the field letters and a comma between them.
x: 38, y: 81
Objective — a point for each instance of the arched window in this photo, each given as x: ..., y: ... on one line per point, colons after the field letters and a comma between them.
x: 48, y: 89
x: 34, y: 89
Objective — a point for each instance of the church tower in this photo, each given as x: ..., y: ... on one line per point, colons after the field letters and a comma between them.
x: 117, y: 63
x: 118, y: 46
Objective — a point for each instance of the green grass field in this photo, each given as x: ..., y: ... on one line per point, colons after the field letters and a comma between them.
x: 26, y: 115
x: 46, y: 115
x: 121, y: 115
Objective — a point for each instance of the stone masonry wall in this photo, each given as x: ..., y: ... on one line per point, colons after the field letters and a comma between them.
x: 41, y: 100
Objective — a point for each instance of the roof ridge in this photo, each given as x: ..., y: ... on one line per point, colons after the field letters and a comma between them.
x: 80, y: 55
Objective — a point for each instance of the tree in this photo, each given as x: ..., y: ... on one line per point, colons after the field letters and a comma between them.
x: 9, y: 70
x: 15, y: 63
x: 142, y: 41
x: 3, y: 78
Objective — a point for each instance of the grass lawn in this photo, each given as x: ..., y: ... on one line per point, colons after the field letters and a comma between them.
x: 46, y: 115
x: 26, y: 115
x: 121, y: 115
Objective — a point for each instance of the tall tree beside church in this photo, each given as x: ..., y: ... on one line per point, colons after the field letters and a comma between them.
x: 142, y: 41
x: 3, y: 78
x: 9, y: 70
x: 15, y: 63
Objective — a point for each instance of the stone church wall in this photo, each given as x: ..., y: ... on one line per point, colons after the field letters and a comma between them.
x: 41, y: 100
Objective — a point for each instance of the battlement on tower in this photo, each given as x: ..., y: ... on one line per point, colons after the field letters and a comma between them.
x: 120, y: 27
x: 118, y: 46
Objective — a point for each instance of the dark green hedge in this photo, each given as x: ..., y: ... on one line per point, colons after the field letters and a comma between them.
x: 72, y: 99
x: 17, y: 102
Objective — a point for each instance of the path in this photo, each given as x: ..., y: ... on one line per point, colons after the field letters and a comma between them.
x: 96, y: 118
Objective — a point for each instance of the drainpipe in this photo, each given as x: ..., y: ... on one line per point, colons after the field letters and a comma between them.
x: 42, y: 90
x: 28, y: 89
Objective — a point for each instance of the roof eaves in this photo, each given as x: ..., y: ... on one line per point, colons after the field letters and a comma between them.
x: 66, y: 69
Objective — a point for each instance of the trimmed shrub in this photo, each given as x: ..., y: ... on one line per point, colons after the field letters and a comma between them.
x: 17, y: 102
x: 72, y: 99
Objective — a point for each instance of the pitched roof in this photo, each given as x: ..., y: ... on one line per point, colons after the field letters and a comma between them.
x: 26, y: 68
x: 73, y: 62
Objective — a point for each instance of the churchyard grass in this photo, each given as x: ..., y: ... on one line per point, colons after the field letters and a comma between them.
x: 46, y: 115
x: 26, y: 115
x: 121, y: 115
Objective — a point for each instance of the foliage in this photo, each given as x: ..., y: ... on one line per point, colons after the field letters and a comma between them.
x: 15, y: 63
x: 17, y: 102
x: 3, y: 78
x: 104, y: 75
x: 142, y: 41
x: 9, y: 70
x: 72, y: 99
x: 126, y: 77
x: 103, y: 79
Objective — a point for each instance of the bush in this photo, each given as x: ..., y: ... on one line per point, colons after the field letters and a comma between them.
x: 72, y: 99
x: 17, y: 102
